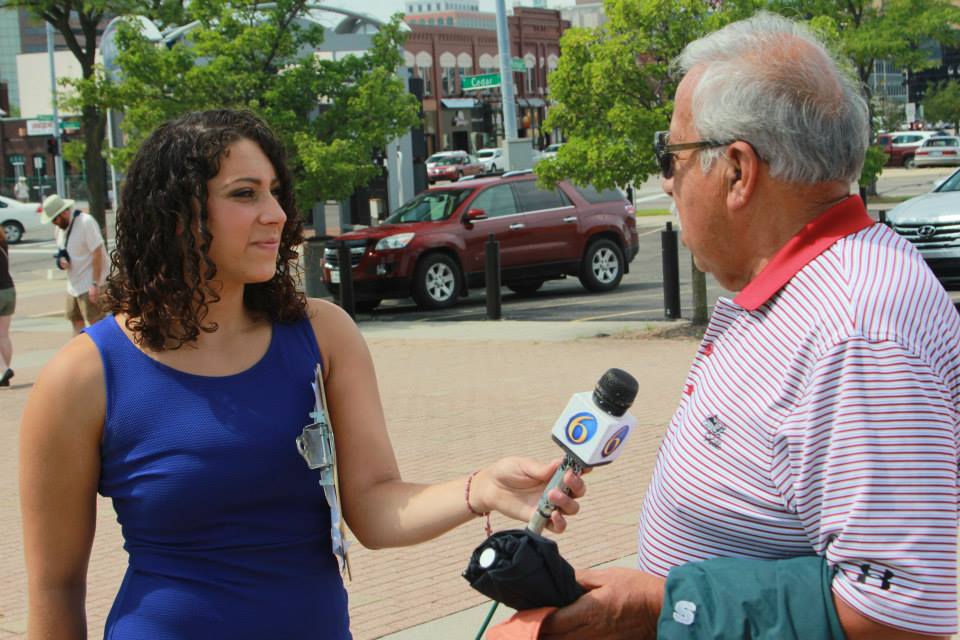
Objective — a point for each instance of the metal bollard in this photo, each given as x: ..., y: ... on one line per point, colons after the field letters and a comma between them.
x: 346, y: 279
x: 492, y: 264
x: 671, y: 273
x: 313, y: 266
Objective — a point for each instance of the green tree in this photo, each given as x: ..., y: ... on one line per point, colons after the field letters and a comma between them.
x: 943, y: 104
x: 893, y: 30
x: 77, y: 23
x: 332, y: 114
x: 613, y: 88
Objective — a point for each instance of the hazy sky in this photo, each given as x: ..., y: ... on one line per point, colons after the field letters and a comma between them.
x: 385, y: 8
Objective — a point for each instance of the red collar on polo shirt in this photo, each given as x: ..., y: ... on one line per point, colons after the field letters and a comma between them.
x: 839, y: 221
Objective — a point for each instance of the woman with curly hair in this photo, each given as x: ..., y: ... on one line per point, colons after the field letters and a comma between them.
x: 183, y: 405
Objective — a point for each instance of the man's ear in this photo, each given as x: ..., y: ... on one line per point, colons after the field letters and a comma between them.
x: 743, y: 171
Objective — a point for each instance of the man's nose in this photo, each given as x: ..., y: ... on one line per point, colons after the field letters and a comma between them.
x: 667, y: 185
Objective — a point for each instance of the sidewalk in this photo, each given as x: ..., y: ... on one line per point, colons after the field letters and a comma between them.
x: 502, y: 383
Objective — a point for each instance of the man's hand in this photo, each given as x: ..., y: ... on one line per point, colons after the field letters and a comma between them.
x: 64, y: 263
x: 93, y: 293
x: 619, y: 603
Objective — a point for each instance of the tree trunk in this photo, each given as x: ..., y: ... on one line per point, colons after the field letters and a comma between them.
x: 94, y: 126
x: 698, y: 280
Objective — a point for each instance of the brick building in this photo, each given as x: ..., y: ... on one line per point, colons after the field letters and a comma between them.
x: 470, y: 120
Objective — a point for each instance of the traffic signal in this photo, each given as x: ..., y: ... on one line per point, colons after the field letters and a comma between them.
x: 52, y: 146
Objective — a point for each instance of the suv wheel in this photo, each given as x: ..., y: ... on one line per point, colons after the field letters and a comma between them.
x: 525, y: 288
x: 13, y: 231
x: 436, y: 283
x: 602, y: 266
x: 909, y: 162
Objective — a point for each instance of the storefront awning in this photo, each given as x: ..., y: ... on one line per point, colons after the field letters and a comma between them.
x: 536, y: 102
x: 459, y: 103
x: 522, y: 102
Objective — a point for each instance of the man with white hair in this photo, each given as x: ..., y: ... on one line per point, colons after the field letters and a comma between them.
x: 807, y: 484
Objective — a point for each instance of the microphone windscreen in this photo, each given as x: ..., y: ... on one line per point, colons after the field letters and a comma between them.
x: 615, y: 391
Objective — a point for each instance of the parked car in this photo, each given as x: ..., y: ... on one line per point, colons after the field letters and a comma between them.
x: 432, y: 248
x: 549, y: 151
x: 19, y: 218
x: 938, y: 151
x: 902, y: 145
x: 932, y: 223
x: 451, y: 165
x: 491, y: 159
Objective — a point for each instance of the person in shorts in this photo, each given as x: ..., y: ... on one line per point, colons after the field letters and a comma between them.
x: 81, y: 253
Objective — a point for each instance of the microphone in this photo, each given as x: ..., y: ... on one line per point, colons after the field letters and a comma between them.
x: 591, y: 431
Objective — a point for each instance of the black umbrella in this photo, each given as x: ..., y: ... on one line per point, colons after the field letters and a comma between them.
x: 523, y: 570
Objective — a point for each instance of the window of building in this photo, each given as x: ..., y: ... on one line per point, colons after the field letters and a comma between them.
x: 430, y: 21
x: 447, y: 80
x: 464, y: 71
x: 426, y: 74
x: 449, y: 21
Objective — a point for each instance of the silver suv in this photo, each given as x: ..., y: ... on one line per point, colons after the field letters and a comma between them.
x: 932, y: 223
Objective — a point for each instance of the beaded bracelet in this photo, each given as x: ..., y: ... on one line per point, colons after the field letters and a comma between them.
x: 466, y: 496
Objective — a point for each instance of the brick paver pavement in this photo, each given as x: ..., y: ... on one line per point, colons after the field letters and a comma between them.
x: 451, y: 406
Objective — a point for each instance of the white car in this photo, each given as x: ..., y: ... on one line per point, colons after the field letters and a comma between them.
x: 491, y: 159
x: 19, y: 218
x: 932, y: 223
x: 937, y: 151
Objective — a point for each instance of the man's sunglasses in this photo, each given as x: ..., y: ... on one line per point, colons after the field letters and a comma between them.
x: 666, y: 152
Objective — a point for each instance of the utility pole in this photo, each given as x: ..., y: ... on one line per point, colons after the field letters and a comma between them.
x: 518, y: 153
x: 58, y: 158
x: 506, y: 73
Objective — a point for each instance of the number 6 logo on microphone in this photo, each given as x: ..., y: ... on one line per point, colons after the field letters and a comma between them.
x: 615, y: 441
x: 581, y: 427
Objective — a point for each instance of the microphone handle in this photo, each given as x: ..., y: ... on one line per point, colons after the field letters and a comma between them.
x: 541, y: 515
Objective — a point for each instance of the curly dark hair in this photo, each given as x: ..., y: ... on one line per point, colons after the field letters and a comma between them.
x: 160, y: 270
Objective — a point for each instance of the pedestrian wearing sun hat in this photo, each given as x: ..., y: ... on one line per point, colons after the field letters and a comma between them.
x: 81, y: 253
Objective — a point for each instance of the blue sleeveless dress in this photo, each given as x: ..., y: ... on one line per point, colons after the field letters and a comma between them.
x: 227, y: 530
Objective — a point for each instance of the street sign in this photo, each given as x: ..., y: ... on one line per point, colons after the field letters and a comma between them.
x: 44, y: 117
x: 45, y: 127
x: 39, y: 127
x: 518, y: 65
x: 482, y: 81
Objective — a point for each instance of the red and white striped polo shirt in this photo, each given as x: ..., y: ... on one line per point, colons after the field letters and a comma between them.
x: 821, y: 416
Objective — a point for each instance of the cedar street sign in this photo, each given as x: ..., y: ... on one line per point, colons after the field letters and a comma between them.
x: 518, y: 65
x: 482, y: 81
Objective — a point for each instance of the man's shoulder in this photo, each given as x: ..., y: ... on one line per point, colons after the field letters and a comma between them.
x: 887, y: 288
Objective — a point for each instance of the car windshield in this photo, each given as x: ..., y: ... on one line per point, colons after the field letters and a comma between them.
x: 942, y: 142
x: 484, y: 154
x: 444, y: 160
x: 553, y: 148
x: 430, y: 206
x: 950, y: 184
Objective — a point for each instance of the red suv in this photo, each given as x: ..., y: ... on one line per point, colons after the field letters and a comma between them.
x: 432, y: 248
x: 901, y: 146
